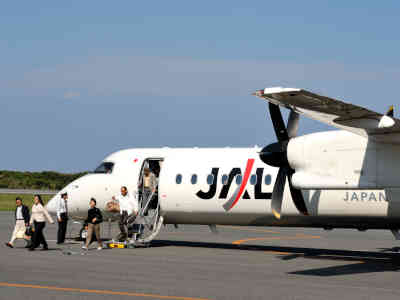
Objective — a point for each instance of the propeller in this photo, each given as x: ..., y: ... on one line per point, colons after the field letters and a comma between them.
x: 276, y: 155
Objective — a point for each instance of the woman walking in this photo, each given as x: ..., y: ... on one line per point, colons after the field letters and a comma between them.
x: 38, y: 219
x: 93, y: 224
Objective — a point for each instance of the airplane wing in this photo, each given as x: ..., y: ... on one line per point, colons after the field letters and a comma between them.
x: 336, y: 113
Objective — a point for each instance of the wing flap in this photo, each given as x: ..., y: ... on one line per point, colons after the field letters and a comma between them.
x: 333, y: 112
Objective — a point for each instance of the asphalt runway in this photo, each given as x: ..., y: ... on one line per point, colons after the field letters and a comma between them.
x: 191, y: 263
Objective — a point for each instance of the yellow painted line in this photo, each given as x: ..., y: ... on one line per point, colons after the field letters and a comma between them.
x: 247, y: 229
x: 101, y: 292
x: 239, y: 242
x: 297, y: 237
x: 308, y: 236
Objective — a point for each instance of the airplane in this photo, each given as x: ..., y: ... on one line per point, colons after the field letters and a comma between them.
x: 346, y: 178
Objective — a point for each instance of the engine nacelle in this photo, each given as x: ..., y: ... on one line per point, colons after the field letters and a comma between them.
x: 342, y: 160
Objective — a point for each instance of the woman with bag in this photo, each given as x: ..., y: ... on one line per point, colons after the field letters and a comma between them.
x: 93, y: 224
x: 38, y: 219
x: 21, y: 222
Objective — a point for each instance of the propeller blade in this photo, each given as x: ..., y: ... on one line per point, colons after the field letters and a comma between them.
x: 293, y: 124
x: 276, y: 155
x: 297, y: 196
x: 277, y: 121
x: 277, y: 192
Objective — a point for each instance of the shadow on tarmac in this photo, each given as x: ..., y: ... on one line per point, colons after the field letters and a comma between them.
x: 360, y: 261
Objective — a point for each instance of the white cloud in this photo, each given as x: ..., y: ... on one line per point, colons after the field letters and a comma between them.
x: 71, y: 94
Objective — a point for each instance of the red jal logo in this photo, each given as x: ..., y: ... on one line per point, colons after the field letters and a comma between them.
x: 240, y: 190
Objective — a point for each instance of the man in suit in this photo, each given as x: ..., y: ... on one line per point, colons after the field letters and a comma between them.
x: 62, y: 218
x: 21, y: 221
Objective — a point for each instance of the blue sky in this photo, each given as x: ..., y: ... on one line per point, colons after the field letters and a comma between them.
x: 81, y: 79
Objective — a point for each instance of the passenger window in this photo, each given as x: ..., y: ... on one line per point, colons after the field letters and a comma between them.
x: 253, y: 179
x: 239, y: 179
x: 194, y: 179
x: 267, y: 179
x: 224, y: 179
x: 210, y: 179
x: 178, y: 179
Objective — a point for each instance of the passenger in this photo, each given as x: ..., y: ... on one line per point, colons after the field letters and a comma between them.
x: 38, y: 219
x: 21, y: 221
x: 92, y: 224
x: 128, y: 208
x: 149, y: 186
x: 62, y: 218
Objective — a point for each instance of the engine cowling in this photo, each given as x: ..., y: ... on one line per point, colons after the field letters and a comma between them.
x: 333, y: 160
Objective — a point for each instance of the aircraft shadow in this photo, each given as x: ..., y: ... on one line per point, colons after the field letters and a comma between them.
x: 358, y: 262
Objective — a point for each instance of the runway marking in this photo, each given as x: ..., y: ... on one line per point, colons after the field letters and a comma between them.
x: 248, y: 229
x: 101, y: 292
x: 297, y: 237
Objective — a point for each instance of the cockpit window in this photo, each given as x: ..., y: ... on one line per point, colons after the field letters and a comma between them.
x: 105, y: 168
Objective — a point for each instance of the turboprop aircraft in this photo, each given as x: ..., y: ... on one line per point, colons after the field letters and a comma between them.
x: 346, y: 178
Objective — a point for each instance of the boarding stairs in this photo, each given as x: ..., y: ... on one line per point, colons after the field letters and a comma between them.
x: 147, y: 223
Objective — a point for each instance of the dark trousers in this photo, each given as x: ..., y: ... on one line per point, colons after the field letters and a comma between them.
x: 123, y: 221
x: 62, y: 228
x: 38, y: 237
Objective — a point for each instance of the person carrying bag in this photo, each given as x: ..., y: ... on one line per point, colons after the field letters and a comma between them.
x: 92, y: 224
x: 38, y: 219
x: 21, y: 217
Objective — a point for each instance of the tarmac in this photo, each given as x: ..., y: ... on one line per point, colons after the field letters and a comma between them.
x: 191, y: 263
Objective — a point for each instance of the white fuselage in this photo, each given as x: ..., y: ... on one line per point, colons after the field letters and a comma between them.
x: 238, y: 193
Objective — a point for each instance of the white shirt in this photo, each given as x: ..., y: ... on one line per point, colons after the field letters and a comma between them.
x: 40, y: 214
x: 127, y: 203
x: 19, y: 215
x: 61, y: 207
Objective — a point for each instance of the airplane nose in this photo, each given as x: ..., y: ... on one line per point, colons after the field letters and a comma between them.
x: 80, y: 191
x: 51, y: 205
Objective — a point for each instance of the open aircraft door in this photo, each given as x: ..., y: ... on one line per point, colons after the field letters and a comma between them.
x: 149, y: 219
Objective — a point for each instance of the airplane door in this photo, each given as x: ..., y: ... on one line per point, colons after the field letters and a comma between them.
x: 154, y: 165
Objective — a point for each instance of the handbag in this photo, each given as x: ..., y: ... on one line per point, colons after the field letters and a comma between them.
x: 29, y: 231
